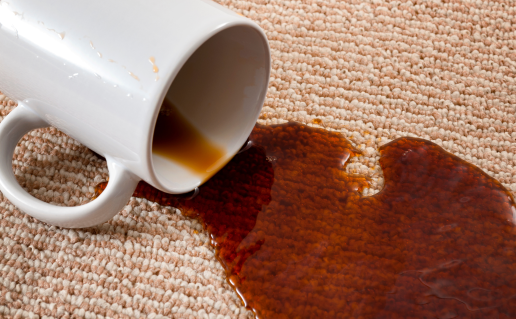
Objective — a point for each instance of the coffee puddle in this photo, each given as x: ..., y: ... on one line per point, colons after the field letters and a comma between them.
x: 298, y: 240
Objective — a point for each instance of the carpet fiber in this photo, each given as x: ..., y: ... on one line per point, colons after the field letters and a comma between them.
x: 373, y: 70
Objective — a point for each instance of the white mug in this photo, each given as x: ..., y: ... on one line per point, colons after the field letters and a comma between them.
x: 100, y: 70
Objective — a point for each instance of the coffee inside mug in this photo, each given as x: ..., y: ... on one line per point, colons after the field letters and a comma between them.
x: 210, y: 108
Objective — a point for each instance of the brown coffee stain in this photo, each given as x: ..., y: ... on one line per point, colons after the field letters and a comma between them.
x: 298, y: 240
x: 61, y: 35
x: 155, y: 68
x: 175, y: 138
x: 133, y: 76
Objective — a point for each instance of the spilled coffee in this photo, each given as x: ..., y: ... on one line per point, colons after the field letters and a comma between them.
x: 298, y: 240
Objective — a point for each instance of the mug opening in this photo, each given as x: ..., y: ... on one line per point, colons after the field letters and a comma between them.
x: 210, y: 108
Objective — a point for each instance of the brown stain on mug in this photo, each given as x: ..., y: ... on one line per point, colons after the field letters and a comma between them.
x: 176, y: 139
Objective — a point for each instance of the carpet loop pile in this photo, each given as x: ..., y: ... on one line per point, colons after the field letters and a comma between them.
x: 373, y: 70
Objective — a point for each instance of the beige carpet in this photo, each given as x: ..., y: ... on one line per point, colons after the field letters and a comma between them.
x: 374, y: 70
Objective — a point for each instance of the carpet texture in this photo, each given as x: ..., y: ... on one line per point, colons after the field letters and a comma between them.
x: 374, y: 70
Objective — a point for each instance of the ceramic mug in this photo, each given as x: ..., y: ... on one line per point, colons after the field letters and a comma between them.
x: 100, y: 70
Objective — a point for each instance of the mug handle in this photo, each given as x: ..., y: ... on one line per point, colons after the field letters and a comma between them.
x: 120, y: 188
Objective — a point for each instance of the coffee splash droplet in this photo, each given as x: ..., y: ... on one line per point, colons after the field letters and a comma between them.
x: 155, y: 68
x: 133, y: 76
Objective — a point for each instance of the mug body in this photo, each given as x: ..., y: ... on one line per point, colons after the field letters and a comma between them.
x: 99, y: 71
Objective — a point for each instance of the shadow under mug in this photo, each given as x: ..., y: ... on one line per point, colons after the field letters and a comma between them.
x: 100, y: 71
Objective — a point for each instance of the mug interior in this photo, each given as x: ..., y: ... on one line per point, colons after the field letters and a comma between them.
x: 216, y: 97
